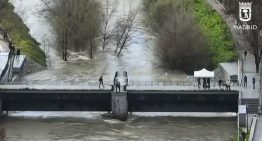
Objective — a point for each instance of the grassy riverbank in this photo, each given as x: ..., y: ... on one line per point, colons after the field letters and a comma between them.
x: 19, y: 34
x: 221, y: 43
x: 235, y: 138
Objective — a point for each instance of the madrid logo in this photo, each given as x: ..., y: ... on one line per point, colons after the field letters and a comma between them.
x: 245, y: 11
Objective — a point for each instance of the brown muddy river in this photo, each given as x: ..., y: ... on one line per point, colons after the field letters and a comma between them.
x: 101, y: 128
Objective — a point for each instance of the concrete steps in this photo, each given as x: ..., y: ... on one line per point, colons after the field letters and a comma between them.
x: 252, y: 105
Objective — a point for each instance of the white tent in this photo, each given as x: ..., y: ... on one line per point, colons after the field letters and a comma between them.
x: 204, y: 74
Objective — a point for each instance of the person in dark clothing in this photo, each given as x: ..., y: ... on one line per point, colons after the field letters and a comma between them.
x: 204, y: 82
x: 101, y: 81
x: 198, y: 82
x: 245, y: 53
x: 118, y: 85
x: 254, y: 82
x: 17, y: 52
x: 208, y: 82
x: 219, y: 83
x: 12, y: 47
x: 245, y: 81
x: 228, y: 85
x: 5, y: 35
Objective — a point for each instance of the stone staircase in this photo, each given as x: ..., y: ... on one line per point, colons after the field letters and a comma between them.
x: 252, y: 105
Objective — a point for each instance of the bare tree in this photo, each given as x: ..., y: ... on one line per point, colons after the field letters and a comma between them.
x: 76, y: 24
x: 124, y: 31
x: 93, y: 29
x: 88, y: 26
x: 61, y: 19
x: 157, y: 12
x: 109, y: 12
x: 181, y: 44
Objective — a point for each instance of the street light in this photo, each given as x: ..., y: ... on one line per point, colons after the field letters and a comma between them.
x: 260, y: 89
x: 247, y: 117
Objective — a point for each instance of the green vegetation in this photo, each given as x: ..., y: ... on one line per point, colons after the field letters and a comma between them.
x: 220, y: 43
x: 235, y: 138
x: 19, y: 34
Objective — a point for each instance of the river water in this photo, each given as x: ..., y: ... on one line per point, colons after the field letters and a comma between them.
x: 101, y: 128
x: 87, y: 126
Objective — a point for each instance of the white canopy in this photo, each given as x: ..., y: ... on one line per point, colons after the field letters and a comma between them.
x: 204, y: 74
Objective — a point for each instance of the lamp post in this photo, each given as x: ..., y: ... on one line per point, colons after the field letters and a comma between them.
x: 260, y: 89
x: 247, y: 117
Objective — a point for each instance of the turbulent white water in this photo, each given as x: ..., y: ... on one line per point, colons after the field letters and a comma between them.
x: 138, y: 59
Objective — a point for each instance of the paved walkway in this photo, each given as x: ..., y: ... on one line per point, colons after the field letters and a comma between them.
x: 94, y: 86
x: 249, y: 70
x: 258, y: 130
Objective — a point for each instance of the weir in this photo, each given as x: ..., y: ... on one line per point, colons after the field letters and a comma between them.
x: 120, y: 103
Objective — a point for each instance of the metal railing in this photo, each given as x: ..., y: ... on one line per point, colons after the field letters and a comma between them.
x: 61, y: 83
x: 213, y: 85
x: 160, y: 83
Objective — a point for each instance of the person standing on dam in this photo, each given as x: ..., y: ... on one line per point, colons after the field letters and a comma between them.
x: 228, y: 85
x: 101, y: 82
x: 198, y: 82
x: 245, y: 54
x: 219, y: 83
x: 245, y: 81
x: 254, y: 82
x: 5, y: 35
x: 118, y: 85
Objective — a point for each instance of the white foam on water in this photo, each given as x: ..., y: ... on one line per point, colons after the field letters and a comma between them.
x: 34, y: 114
x: 112, y: 121
x: 95, y: 115
x: 183, y: 114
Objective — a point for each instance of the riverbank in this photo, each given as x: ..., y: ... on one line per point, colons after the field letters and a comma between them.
x: 220, y: 39
x: 19, y: 34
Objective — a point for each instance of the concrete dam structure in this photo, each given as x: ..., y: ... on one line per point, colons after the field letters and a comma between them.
x: 119, y: 103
